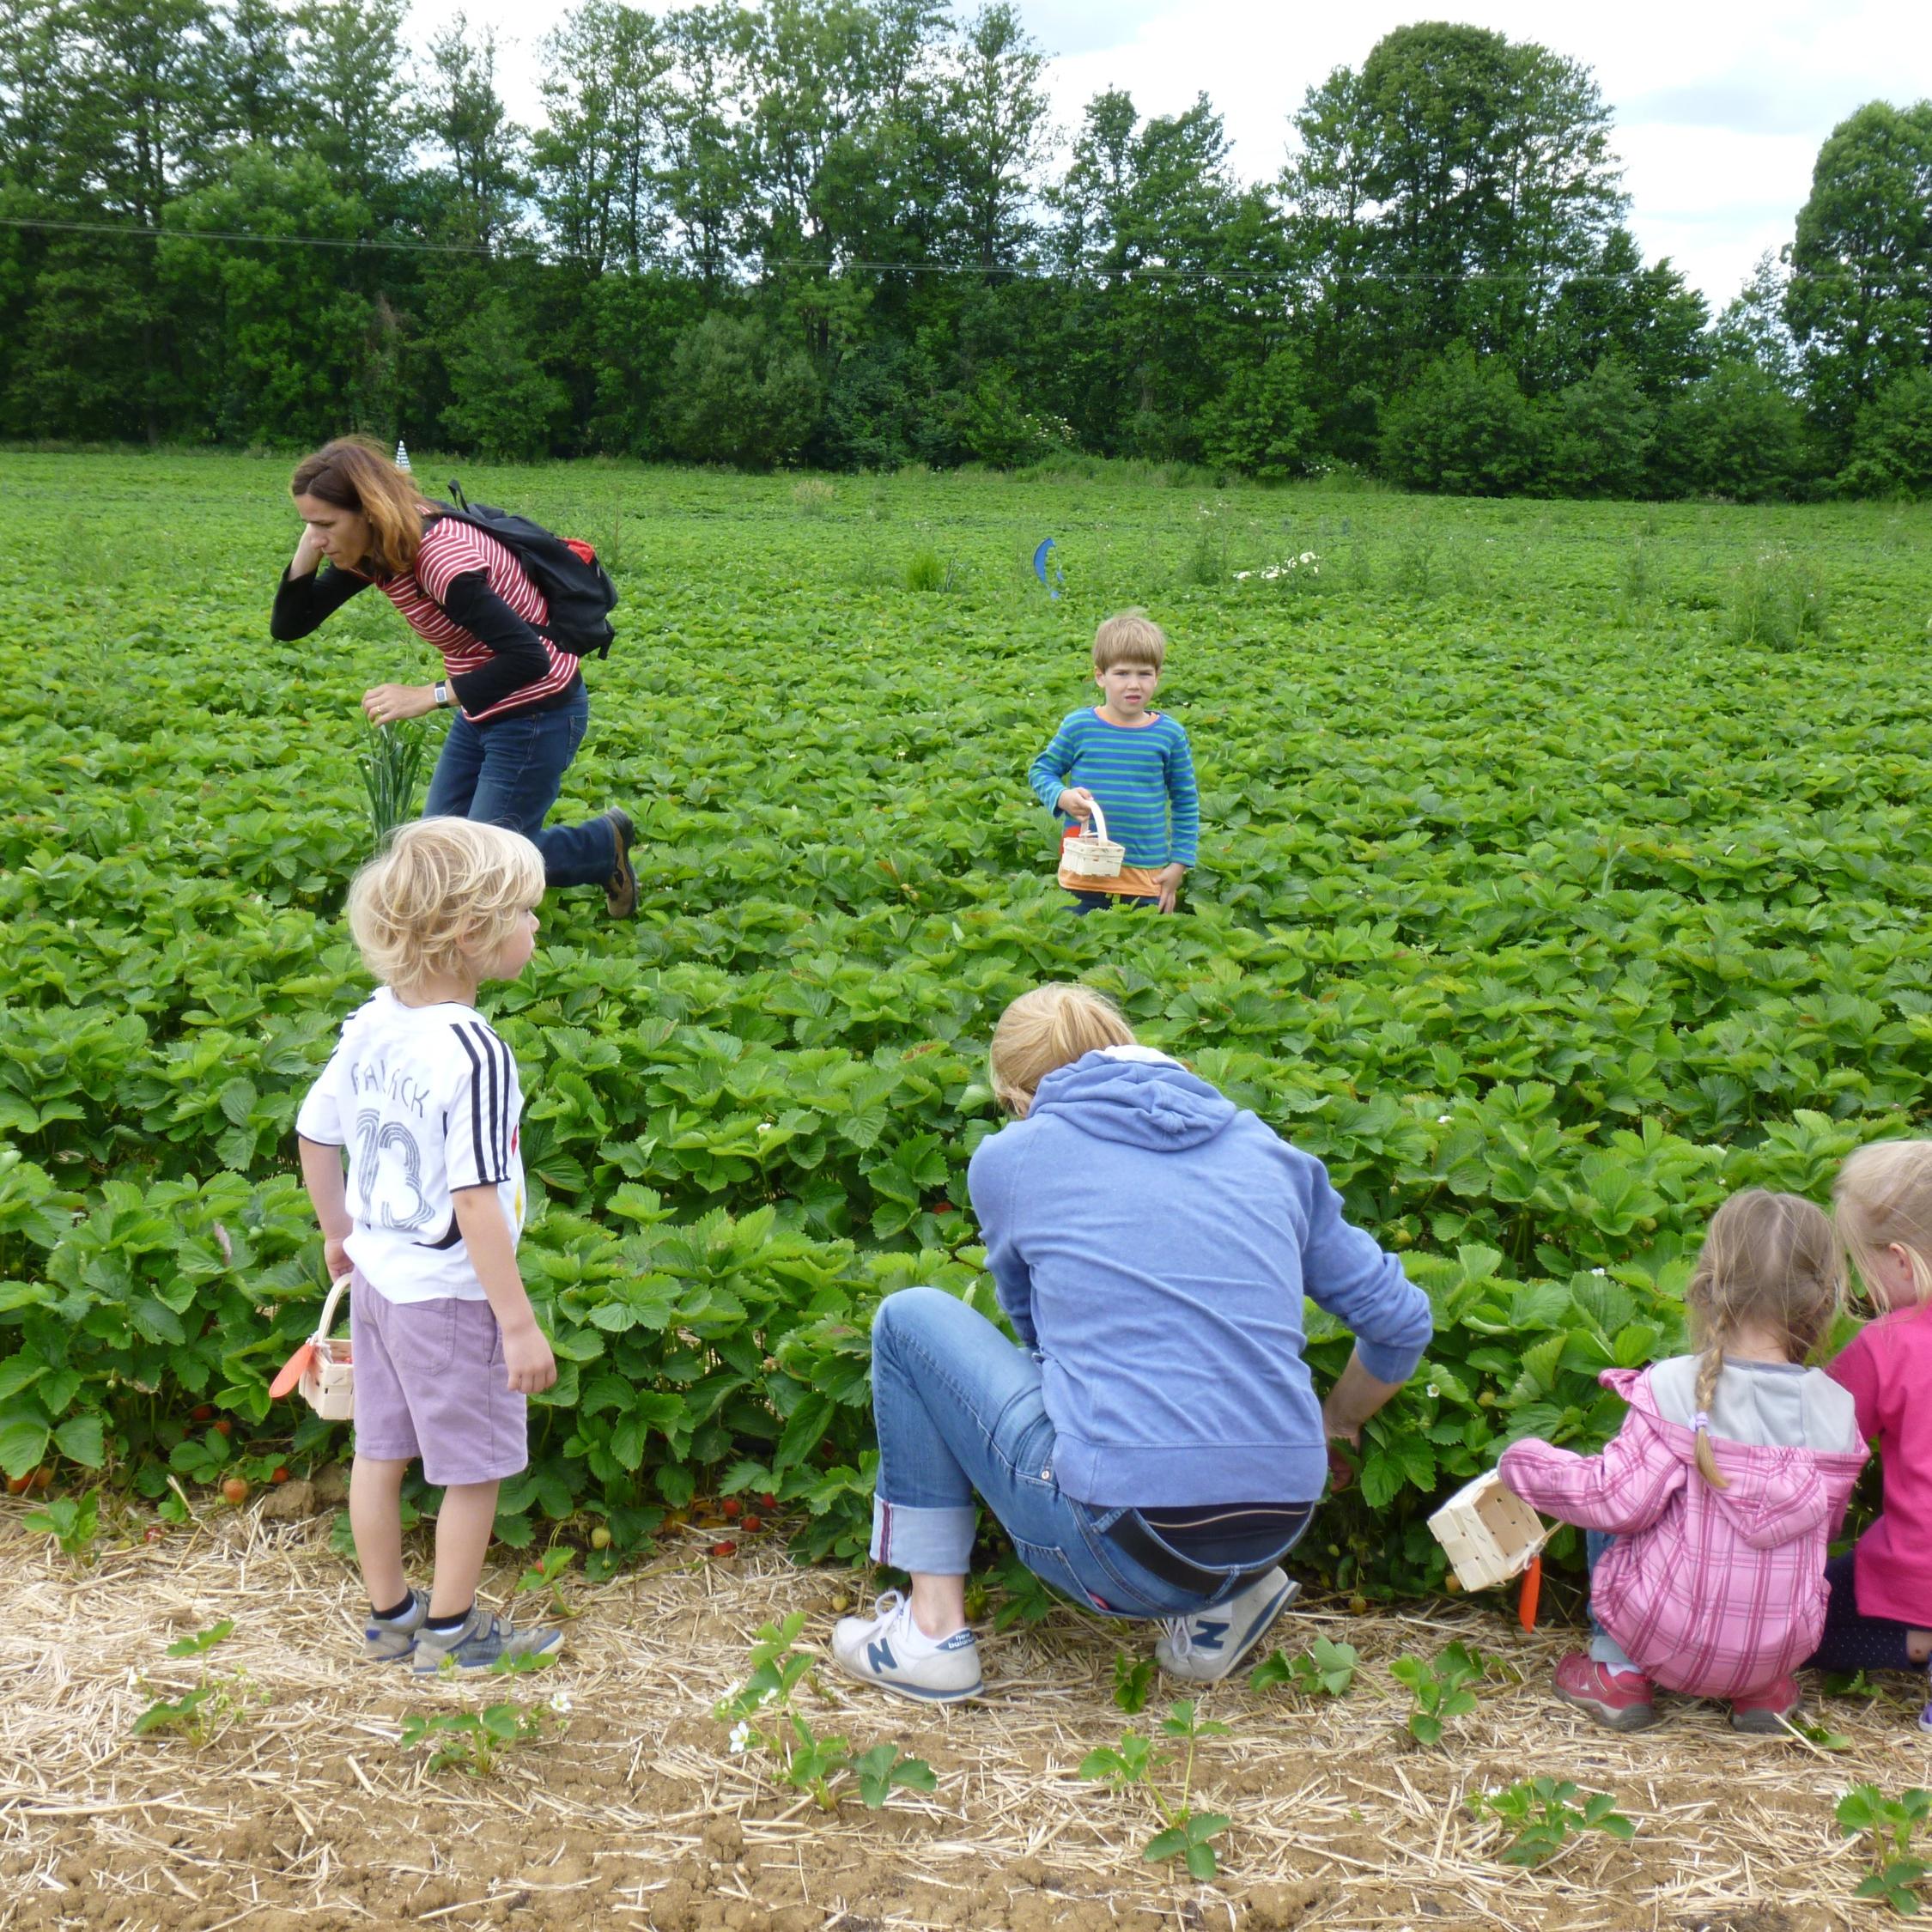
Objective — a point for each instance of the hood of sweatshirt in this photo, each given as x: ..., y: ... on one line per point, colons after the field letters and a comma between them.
x: 1137, y: 1097
x: 1775, y: 1494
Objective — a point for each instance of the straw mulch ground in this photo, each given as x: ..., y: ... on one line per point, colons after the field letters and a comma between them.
x: 303, y: 1811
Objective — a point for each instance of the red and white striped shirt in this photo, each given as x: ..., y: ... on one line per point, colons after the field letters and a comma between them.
x: 452, y: 549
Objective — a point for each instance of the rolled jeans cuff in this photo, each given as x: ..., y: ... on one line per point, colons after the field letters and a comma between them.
x: 934, y: 1542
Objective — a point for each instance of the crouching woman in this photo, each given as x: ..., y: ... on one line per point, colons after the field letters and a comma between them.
x: 1153, y: 1446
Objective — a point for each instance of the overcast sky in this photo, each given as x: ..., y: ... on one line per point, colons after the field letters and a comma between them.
x: 1720, y: 106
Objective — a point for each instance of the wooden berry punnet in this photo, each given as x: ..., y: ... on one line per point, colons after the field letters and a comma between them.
x: 321, y: 1371
x: 1090, y: 854
x: 1492, y: 1535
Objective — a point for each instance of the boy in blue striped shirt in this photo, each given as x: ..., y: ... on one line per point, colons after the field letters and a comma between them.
x: 1135, y: 762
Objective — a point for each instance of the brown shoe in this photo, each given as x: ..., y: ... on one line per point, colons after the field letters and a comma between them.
x: 620, y: 890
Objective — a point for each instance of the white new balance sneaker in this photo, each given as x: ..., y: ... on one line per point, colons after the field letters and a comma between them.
x: 1207, y: 1645
x: 889, y: 1649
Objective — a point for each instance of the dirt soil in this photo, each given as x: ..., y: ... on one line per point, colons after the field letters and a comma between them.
x: 299, y: 1808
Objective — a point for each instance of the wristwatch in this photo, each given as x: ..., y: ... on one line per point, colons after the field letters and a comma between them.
x: 439, y: 693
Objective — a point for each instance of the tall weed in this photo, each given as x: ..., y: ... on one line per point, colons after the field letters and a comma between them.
x: 1777, y: 601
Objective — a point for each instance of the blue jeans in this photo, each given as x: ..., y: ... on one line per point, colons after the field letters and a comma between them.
x: 510, y: 772
x: 1085, y: 902
x: 959, y: 1408
x: 1604, y: 1648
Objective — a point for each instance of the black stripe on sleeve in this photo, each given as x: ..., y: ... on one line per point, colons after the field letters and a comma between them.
x: 493, y: 1165
x: 506, y: 1119
x: 476, y: 1102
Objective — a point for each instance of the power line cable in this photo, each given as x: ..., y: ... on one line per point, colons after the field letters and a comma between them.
x: 1139, y: 272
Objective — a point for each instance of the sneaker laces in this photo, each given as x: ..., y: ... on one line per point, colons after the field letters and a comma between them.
x: 1180, y: 1634
x: 887, y: 1608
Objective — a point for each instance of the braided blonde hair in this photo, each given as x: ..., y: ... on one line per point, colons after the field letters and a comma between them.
x: 1883, y: 1196
x: 1769, y: 1261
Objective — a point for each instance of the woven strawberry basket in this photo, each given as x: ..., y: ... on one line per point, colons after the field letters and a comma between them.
x: 1091, y: 853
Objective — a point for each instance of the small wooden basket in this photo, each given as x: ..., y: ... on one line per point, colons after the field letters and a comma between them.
x: 1490, y: 1533
x: 1091, y: 853
x: 321, y: 1371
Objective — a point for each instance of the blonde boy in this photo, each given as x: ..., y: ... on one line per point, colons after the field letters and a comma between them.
x: 1135, y: 762
x: 421, y: 1096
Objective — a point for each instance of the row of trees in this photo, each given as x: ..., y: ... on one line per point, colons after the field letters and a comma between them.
x: 845, y: 232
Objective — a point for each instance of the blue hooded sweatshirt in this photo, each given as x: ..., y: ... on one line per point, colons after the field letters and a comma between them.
x: 1153, y: 1242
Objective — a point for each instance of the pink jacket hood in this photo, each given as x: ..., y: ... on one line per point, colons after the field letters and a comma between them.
x: 1776, y: 1494
x: 1715, y: 1592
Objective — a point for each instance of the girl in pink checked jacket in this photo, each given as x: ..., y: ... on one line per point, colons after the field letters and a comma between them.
x: 1709, y: 1514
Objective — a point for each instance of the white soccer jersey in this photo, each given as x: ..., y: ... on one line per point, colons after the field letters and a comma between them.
x: 423, y: 1099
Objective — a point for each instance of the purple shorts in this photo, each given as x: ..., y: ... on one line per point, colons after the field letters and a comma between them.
x: 430, y: 1381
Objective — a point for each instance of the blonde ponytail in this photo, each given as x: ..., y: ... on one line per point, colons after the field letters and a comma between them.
x: 1050, y: 1027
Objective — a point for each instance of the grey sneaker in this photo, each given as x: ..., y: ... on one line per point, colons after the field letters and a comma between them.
x: 1210, y: 1643
x: 389, y: 1640
x: 887, y: 1649
x: 478, y: 1640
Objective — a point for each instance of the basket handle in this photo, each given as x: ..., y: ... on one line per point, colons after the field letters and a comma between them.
x: 1098, y: 829
x: 327, y: 1321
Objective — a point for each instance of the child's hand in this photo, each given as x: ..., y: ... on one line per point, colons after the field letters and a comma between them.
x: 335, y: 1258
x: 526, y: 1355
x: 1075, y: 802
x: 1171, y: 877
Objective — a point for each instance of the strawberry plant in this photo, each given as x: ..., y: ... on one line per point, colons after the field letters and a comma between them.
x: 1440, y: 1687
x: 471, y: 1740
x: 1542, y: 965
x: 1547, y: 1814
x: 1326, y: 1668
x: 1142, y: 1764
x: 1890, y: 1825
x: 807, y: 1761
x: 72, y: 1522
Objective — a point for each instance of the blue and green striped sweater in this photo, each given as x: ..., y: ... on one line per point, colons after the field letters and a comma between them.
x: 1143, y: 775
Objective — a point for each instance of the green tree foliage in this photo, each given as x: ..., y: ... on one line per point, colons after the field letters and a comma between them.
x: 1594, y: 437
x: 264, y: 220
x: 1734, y: 432
x: 502, y: 401
x: 1752, y: 328
x: 1442, y: 193
x: 1891, y: 449
x: 1860, y: 299
x: 1464, y: 428
x: 235, y: 305
x: 600, y: 156
x: 737, y: 397
x: 1262, y: 424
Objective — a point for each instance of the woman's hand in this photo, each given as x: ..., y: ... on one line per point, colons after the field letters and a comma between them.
x: 308, y: 553
x: 1171, y: 877
x: 389, y: 704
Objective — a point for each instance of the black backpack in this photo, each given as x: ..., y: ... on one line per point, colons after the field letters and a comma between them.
x: 575, y: 586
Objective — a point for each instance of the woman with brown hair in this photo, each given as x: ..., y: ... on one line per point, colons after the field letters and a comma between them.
x: 520, y: 705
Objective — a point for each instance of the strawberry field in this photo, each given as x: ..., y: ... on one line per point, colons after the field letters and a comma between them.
x: 1564, y: 868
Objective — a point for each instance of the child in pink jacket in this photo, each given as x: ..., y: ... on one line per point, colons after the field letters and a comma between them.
x: 1710, y: 1512
x: 1881, y: 1616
